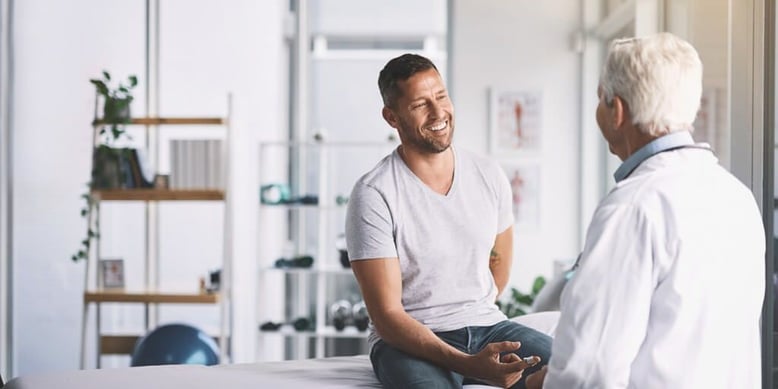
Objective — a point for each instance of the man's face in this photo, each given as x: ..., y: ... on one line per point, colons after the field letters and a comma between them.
x: 423, y: 114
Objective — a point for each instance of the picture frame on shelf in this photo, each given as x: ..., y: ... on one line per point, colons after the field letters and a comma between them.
x: 515, y: 121
x: 112, y: 273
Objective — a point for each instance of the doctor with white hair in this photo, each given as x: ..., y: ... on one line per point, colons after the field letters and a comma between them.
x: 668, y: 290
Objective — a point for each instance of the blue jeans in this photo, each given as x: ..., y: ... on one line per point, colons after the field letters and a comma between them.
x: 396, y: 369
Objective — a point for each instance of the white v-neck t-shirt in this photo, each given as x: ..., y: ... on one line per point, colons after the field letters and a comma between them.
x: 442, y: 242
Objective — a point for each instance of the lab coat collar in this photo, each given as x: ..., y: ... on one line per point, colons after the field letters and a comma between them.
x: 667, y: 142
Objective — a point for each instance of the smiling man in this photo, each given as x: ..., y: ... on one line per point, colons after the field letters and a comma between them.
x: 430, y: 239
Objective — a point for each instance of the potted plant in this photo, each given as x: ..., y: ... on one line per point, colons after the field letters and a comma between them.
x: 519, y: 303
x: 116, y: 101
x: 106, y: 166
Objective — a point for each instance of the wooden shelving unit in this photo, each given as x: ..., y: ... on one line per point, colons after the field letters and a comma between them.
x: 151, y: 295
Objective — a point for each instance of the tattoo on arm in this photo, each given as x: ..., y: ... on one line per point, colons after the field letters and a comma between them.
x: 494, y: 258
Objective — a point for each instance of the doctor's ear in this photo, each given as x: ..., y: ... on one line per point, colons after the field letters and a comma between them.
x: 389, y: 116
x: 619, y: 111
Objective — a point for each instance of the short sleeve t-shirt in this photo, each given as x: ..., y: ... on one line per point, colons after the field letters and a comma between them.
x: 443, y: 242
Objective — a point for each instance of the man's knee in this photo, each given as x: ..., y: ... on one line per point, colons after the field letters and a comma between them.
x: 396, y: 369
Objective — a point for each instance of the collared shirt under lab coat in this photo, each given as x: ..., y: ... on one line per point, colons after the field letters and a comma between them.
x: 669, y: 289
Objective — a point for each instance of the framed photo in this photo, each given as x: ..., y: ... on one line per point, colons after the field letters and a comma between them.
x: 525, y: 185
x: 112, y: 273
x: 515, y: 121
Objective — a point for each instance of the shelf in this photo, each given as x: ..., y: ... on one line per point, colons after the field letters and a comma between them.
x: 327, y: 332
x: 158, y: 194
x: 123, y: 344
x: 121, y: 296
x: 154, y: 121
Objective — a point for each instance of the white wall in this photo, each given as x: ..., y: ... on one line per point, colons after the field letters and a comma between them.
x: 59, y: 46
x: 525, y: 45
x: 207, y: 50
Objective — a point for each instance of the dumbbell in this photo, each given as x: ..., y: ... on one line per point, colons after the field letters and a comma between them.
x: 299, y: 324
x: 359, y: 315
x: 340, y: 313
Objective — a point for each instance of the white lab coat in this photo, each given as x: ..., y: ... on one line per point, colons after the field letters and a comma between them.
x: 670, y: 285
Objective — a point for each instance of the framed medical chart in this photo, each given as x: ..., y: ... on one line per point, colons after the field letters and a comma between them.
x: 525, y: 187
x: 515, y: 122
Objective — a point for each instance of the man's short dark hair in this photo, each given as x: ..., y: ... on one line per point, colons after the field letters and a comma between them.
x: 400, y: 69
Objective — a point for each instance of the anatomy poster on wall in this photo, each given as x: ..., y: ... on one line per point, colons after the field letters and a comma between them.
x: 525, y: 186
x: 516, y: 122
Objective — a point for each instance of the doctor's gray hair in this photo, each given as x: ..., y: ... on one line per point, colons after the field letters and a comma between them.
x: 659, y: 77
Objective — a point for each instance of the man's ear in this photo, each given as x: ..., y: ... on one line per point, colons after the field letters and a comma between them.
x: 620, y: 112
x: 389, y: 116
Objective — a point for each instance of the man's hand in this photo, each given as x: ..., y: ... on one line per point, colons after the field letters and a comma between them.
x: 535, y: 380
x: 490, y: 367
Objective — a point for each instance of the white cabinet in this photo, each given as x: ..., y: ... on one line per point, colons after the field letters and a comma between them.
x: 303, y: 196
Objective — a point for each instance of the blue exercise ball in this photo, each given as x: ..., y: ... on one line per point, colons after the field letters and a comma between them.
x: 175, y: 344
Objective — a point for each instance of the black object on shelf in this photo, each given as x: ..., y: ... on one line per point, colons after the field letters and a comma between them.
x: 340, y: 244
x: 270, y: 326
x: 303, y: 261
x: 214, y: 279
x: 299, y: 324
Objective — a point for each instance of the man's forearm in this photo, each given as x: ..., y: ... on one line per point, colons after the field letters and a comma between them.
x: 400, y: 330
x: 500, y: 259
x: 498, y: 273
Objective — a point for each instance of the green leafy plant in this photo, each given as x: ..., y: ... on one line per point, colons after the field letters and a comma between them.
x: 116, y: 114
x: 116, y: 102
x: 518, y: 303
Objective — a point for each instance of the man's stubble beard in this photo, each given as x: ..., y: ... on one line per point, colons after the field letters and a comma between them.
x: 430, y: 145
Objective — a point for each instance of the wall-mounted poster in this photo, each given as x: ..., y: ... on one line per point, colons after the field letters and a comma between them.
x: 515, y: 124
x: 525, y: 185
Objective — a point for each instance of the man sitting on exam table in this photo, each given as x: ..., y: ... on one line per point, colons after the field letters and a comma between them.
x: 668, y: 290
x: 429, y: 232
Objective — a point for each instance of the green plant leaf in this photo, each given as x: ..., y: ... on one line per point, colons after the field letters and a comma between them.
x: 101, y: 87
x: 525, y: 299
x: 516, y: 294
x: 133, y: 81
x: 107, y: 75
x: 539, y: 283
